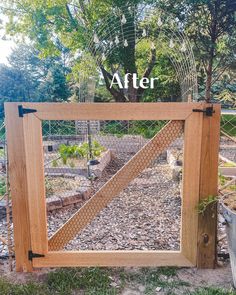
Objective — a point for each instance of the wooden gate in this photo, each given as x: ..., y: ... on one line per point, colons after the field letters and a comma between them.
x: 201, y: 124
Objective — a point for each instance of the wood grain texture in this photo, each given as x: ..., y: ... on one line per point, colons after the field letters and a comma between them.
x: 19, y: 187
x: 113, y: 111
x: 35, y: 183
x: 207, y: 223
x: 112, y: 258
x: 191, y: 180
x: 116, y: 184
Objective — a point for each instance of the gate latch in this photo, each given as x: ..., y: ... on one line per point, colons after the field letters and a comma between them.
x: 208, y: 111
x: 32, y: 255
x: 22, y: 111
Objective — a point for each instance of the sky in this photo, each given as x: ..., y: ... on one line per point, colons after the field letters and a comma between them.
x: 5, y: 45
x: 5, y: 50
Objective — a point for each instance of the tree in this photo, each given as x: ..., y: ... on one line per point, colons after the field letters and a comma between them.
x: 31, y: 78
x: 48, y: 23
x: 211, y: 25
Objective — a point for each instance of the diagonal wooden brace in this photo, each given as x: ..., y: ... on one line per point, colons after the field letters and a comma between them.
x: 116, y: 184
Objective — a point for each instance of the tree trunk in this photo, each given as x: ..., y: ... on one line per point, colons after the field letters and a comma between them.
x: 209, y: 82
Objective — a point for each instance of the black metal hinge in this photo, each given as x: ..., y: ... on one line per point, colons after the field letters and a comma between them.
x: 208, y: 111
x: 32, y: 255
x: 23, y: 111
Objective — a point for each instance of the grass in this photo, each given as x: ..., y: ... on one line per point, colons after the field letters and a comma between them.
x: 212, y: 291
x: 105, y: 281
x: 7, y: 288
x: 151, y: 278
x: 86, y: 281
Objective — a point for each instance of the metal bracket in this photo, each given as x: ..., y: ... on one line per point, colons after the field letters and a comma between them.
x: 32, y: 255
x: 23, y: 111
x: 208, y: 111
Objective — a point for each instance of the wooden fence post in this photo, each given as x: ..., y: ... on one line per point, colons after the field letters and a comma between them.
x: 207, y: 222
x: 19, y: 190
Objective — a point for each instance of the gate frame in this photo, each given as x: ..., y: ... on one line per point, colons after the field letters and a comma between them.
x: 26, y: 172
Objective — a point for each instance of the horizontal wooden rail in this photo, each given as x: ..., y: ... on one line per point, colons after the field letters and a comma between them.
x: 112, y: 258
x: 113, y: 111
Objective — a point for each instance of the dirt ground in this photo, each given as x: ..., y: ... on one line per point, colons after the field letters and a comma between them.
x: 183, y: 281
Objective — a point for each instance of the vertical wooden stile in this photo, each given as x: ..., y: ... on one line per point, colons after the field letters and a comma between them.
x: 191, y: 178
x: 207, y: 222
x: 36, y: 183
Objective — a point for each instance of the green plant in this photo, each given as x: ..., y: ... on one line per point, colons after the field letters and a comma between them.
x: 54, y: 163
x: 48, y: 186
x: 72, y: 164
x: 81, y: 151
x: 222, y: 179
x: 205, y: 203
x: 7, y: 288
x: 89, y: 280
x: 212, y: 291
x: 2, y: 186
x: 145, y: 128
x: 233, y: 187
x: 227, y: 124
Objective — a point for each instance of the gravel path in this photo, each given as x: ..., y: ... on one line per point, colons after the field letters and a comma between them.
x: 228, y: 149
x: 145, y: 216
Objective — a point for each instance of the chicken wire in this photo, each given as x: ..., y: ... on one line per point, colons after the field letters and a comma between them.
x: 135, y: 145
x: 228, y: 134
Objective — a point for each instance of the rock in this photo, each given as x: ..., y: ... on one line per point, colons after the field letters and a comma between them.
x: 53, y: 203
x: 141, y: 288
x: 158, y: 289
x: 176, y: 173
x: 72, y: 197
x: 85, y: 192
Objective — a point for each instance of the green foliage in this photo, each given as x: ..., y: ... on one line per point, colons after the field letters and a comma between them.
x: 228, y: 124
x: 2, y: 186
x: 49, y: 186
x: 222, y: 179
x: 60, y: 32
x: 114, y: 128
x: 54, y: 163
x: 8, y: 288
x: 81, y: 151
x: 145, y: 128
x: 59, y: 128
x: 152, y: 278
x: 206, y: 203
x: 65, y: 282
x: 90, y: 280
x: 212, y: 291
x: 210, y: 25
x: 29, y: 78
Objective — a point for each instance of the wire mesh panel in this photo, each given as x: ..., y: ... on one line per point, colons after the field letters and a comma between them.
x: 117, y: 188
x: 228, y: 135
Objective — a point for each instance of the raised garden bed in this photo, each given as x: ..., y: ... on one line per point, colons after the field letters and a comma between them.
x: 82, y: 169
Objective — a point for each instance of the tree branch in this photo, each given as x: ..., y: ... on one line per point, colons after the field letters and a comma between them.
x: 118, y: 95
